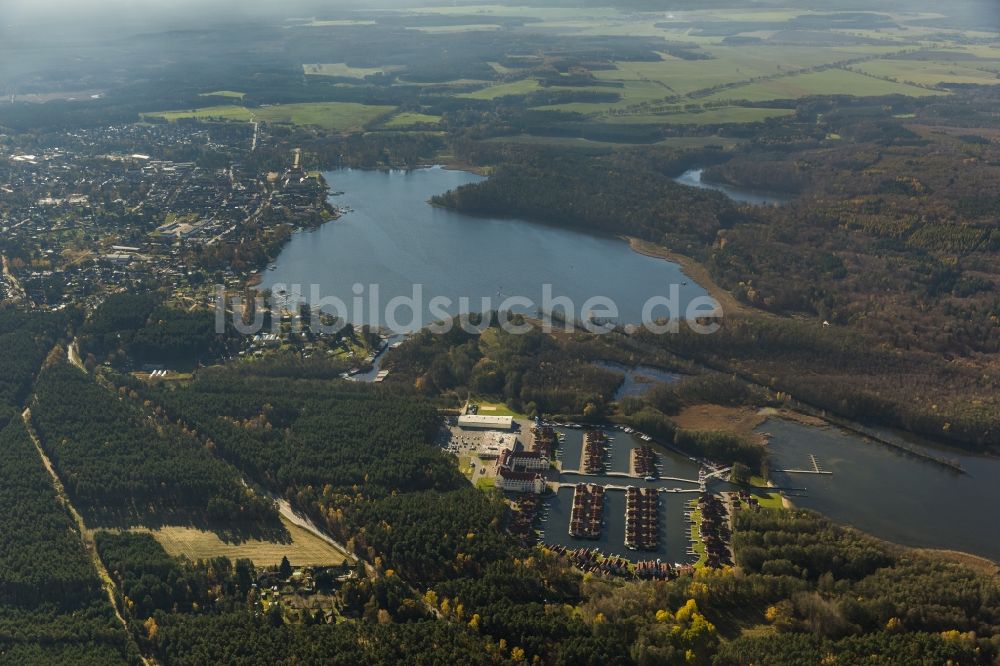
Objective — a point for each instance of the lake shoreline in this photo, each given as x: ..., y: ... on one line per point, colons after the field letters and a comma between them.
x: 394, y: 240
x: 694, y: 270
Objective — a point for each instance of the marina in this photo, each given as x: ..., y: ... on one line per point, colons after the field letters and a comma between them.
x: 676, y: 485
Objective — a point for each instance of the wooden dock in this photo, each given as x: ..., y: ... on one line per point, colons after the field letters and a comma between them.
x: 816, y: 469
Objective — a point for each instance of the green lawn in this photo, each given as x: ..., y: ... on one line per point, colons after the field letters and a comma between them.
x: 767, y: 500
x: 335, y: 116
x: 464, y: 467
x: 486, y: 483
x: 487, y: 408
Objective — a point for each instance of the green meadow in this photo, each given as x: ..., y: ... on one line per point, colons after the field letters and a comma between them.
x: 343, y: 70
x: 406, y: 119
x: 334, y: 116
x: 823, y: 82
x: 232, y: 94
x: 935, y: 72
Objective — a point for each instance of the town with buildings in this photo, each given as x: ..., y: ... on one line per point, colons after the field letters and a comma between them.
x: 99, y: 210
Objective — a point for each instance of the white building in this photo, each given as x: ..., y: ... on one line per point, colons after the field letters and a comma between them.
x: 483, y: 422
x: 529, y: 461
x: 520, y: 482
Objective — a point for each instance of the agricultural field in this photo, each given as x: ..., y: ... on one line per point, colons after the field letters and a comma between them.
x: 304, y: 548
x: 935, y: 72
x: 594, y: 145
x: 343, y: 70
x: 405, y: 120
x: 727, y: 65
x: 334, y: 116
x: 225, y: 112
x: 632, y: 93
x: 511, y: 11
x: 231, y: 94
x: 712, y: 116
x: 824, y: 82
x: 521, y: 87
x: 446, y: 29
x: 337, y: 23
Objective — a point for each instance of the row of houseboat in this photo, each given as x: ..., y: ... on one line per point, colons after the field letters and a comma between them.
x: 715, y: 532
x: 591, y: 560
x: 595, y: 449
x: 588, y: 511
x: 644, y: 462
x: 642, y: 518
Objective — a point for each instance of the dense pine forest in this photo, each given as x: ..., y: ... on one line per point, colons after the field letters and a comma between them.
x: 52, y: 606
x: 139, y: 470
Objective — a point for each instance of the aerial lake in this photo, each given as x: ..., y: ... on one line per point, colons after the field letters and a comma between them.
x: 393, y: 238
x: 693, y: 178
x: 889, y: 493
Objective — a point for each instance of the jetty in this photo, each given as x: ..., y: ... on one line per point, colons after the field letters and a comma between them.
x: 816, y: 469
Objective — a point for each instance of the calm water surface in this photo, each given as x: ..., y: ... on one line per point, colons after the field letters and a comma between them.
x: 638, y: 380
x: 395, y: 239
x: 888, y: 493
